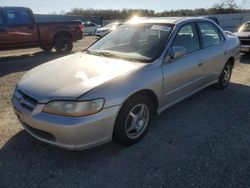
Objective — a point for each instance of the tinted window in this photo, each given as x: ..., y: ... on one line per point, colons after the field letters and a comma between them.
x: 209, y: 33
x: 1, y: 19
x: 188, y: 38
x: 18, y: 17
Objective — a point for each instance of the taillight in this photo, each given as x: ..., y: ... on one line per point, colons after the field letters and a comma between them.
x: 81, y: 27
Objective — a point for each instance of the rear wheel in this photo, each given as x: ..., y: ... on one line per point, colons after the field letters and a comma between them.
x: 225, y: 76
x: 63, y: 44
x: 133, y: 120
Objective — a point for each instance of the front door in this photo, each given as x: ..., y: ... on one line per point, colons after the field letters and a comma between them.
x: 183, y: 76
x: 21, y: 28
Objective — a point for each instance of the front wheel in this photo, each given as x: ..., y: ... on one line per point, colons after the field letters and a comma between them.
x: 225, y: 76
x: 63, y: 44
x: 133, y: 120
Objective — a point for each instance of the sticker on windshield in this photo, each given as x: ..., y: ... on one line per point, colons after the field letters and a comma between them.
x: 161, y: 28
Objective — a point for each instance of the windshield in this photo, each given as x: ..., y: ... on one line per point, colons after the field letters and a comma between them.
x: 245, y: 27
x: 141, y: 42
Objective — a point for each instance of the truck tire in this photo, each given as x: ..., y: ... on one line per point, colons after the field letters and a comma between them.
x: 63, y: 44
x: 47, y: 48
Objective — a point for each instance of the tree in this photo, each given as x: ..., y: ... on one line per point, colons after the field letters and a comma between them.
x: 226, y: 6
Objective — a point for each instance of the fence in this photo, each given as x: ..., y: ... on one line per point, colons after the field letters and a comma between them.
x: 231, y: 22
x: 45, y: 17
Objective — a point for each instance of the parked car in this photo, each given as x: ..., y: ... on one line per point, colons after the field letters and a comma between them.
x: 244, y: 36
x: 89, y: 28
x: 18, y: 29
x: 113, y: 89
x: 107, y: 29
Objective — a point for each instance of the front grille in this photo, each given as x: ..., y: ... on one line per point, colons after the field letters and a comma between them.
x: 245, y: 42
x: 42, y: 134
x: 244, y: 38
x: 25, y: 100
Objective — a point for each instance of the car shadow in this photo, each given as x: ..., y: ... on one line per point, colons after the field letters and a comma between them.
x: 25, y: 62
x: 201, y: 135
x: 245, y: 59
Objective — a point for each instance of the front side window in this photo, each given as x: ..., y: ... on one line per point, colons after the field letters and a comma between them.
x: 188, y: 38
x: 142, y: 42
x: 209, y: 34
x: 18, y: 17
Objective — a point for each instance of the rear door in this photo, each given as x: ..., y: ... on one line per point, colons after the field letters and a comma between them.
x: 22, y: 29
x: 215, y: 53
x: 183, y: 76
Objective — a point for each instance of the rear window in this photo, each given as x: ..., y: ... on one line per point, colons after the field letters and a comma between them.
x: 210, y: 34
x: 18, y: 16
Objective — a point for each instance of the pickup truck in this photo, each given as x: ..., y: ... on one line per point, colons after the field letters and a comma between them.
x: 244, y: 36
x: 18, y: 29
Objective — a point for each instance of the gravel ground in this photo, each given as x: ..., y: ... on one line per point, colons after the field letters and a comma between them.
x: 203, y: 141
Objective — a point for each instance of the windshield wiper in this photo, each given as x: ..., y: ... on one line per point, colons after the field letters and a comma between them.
x: 104, y: 53
x: 87, y: 51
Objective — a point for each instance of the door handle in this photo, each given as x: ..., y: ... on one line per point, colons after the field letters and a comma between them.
x: 200, y: 62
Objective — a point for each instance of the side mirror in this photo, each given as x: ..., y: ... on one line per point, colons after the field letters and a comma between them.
x: 175, y: 53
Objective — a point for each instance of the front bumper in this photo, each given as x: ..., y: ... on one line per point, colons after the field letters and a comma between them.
x: 73, y: 133
x: 245, y: 48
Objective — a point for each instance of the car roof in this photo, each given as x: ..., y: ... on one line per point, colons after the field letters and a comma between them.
x: 166, y: 20
x: 16, y: 8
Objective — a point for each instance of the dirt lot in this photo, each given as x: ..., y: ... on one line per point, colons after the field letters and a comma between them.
x: 202, y: 142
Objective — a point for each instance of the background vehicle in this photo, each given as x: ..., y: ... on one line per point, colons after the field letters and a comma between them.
x: 115, y: 87
x: 106, y: 29
x: 89, y: 28
x: 244, y: 36
x: 18, y: 29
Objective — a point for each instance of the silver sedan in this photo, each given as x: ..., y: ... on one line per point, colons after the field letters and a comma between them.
x: 114, y: 88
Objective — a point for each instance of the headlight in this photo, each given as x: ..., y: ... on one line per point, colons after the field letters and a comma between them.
x: 73, y: 108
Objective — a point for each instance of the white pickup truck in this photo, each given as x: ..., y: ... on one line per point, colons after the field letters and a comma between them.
x: 244, y: 36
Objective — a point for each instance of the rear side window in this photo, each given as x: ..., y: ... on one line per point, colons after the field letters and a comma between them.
x: 188, y: 38
x: 1, y: 19
x: 18, y: 17
x: 209, y: 34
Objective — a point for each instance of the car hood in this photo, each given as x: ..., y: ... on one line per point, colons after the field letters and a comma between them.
x: 72, y: 76
x: 243, y: 34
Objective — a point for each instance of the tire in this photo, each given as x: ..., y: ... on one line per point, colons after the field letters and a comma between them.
x: 47, y: 48
x: 63, y: 44
x: 225, y: 76
x: 131, y: 125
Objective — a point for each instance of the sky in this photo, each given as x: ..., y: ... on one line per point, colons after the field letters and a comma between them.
x: 51, y: 6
